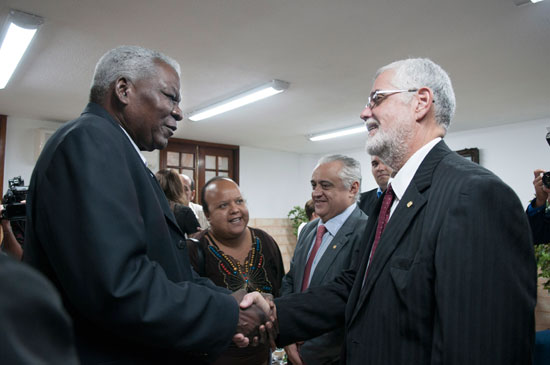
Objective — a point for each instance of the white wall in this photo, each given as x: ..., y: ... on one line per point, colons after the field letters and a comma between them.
x: 512, y: 152
x: 274, y: 181
x: 21, y: 143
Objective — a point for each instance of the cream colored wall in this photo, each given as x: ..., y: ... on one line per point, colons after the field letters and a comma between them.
x: 281, y: 231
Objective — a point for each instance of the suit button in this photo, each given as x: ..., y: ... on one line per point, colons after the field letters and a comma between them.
x: 181, y: 244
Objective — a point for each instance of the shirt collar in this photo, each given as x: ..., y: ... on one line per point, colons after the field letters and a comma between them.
x: 335, y: 223
x: 379, y: 192
x: 134, y: 144
x: 400, y: 182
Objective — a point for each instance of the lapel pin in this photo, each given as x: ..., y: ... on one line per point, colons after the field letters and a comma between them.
x: 334, y: 247
x: 409, y: 204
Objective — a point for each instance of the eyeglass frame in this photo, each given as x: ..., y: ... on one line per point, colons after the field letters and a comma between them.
x: 371, y: 103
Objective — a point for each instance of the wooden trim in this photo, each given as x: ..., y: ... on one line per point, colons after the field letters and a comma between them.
x: 204, y: 144
x: 3, y: 126
x: 470, y: 153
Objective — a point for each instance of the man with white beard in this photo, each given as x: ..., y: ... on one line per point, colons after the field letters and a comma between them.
x: 448, y: 274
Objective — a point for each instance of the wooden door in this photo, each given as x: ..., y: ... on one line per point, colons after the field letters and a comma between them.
x: 201, y: 161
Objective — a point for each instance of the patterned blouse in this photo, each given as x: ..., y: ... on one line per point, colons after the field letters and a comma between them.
x: 262, y: 271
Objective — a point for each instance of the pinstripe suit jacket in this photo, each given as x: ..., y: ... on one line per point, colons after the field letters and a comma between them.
x: 453, y: 280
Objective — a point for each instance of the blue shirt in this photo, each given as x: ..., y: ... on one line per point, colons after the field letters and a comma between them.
x: 531, y: 211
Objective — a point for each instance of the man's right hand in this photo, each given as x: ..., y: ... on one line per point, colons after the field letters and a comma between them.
x: 541, y: 191
x: 293, y: 354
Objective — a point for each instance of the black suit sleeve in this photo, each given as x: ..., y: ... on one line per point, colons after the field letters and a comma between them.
x: 35, y: 327
x: 316, y: 311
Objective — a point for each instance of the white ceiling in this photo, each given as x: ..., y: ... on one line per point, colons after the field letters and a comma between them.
x: 498, y: 56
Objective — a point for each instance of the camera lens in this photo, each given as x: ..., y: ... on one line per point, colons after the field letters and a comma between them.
x: 546, y: 179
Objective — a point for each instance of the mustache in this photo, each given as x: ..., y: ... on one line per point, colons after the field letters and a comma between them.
x: 372, y: 123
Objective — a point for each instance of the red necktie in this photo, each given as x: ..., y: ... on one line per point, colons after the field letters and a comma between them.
x: 383, y: 218
x: 321, y: 230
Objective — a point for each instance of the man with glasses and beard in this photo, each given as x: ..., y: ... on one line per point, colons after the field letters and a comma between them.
x: 448, y: 274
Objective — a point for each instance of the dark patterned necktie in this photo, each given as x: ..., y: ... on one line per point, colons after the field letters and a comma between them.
x: 321, y: 230
x: 383, y: 218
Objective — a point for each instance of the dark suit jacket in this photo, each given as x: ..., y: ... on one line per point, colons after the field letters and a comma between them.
x: 35, y: 327
x: 368, y: 200
x: 453, y: 280
x: 326, y: 348
x: 540, y: 226
x: 100, y: 227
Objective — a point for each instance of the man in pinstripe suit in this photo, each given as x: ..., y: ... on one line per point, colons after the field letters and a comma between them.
x: 452, y: 279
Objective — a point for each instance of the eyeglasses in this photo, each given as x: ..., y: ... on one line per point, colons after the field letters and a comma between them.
x: 377, y: 96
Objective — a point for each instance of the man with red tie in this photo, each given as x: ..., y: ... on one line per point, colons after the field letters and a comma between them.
x: 448, y: 274
x: 326, y: 246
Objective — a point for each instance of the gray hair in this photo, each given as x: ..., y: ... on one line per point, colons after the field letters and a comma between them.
x: 414, y: 73
x: 350, y: 172
x: 132, y: 62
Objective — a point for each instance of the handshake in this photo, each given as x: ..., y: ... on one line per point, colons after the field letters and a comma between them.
x: 257, y: 319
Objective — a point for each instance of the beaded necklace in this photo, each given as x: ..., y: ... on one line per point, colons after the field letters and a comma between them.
x: 250, y: 276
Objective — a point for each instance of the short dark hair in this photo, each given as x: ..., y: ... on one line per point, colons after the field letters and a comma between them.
x: 203, y: 191
x: 309, y: 208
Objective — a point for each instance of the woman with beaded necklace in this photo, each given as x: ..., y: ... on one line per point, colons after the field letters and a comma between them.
x: 235, y: 256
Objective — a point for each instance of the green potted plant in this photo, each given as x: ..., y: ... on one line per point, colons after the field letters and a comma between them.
x: 297, y: 215
x: 542, y: 254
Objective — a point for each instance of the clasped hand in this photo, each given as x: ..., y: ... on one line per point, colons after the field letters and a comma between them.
x: 257, y: 319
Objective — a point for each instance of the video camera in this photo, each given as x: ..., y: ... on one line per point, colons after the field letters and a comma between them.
x: 14, y: 210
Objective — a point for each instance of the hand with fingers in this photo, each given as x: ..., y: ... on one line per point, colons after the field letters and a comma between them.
x: 257, y: 319
x: 541, y: 191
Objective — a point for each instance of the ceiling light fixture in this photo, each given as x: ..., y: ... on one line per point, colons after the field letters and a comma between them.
x: 337, y: 133
x: 271, y: 88
x: 20, y: 30
x: 523, y: 2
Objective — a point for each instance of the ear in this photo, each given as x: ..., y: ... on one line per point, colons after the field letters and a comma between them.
x: 122, y: 90
x: 425, y: 101
x: 354, y: 189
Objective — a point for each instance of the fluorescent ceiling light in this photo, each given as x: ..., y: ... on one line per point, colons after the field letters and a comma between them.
x: 271, y: 88
x: 21, y: 28
x: 337, y: 133
x: 523, y: 2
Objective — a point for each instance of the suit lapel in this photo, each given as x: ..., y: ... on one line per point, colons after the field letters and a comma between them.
x: 412, y: 202
x: 301, y: 258
x: 336, y: 245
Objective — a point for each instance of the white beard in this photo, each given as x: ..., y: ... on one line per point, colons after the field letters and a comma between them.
x: 391, y: 146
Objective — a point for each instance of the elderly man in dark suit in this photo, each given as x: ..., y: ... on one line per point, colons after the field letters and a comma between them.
x: 320, y: 257
x: 381, y: 173
x: 448, y: 275
x: 100, y: 227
